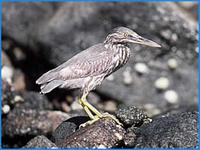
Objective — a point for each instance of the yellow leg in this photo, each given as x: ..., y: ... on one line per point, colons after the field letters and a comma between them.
x: 90, y: 110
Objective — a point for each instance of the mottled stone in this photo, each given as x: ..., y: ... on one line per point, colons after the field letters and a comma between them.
x: 131, y: 116
x: 103, y: 133
x: 33, y: 123
x: 40, y: 142
x: 173, y: 131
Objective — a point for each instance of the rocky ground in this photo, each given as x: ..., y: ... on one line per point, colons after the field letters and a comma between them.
x: 154, y: 96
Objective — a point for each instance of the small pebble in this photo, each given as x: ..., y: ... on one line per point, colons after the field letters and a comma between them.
x: 171, y: 96
x: 19, y: 54
x: 151, y: 109
x: 197, y: 49
x: 162, y: 83
x: 141, y: 68
x: 172, y: 63
x: 166, y: 34
x: 18, y: 99
x: 69, y: 99
x: 174, y: 37
x: 110, y: 106
x: 102, y: 146
x: 75, y: 105
x: 6, y: 109
x: 6, y: 73
x: 127, y: 76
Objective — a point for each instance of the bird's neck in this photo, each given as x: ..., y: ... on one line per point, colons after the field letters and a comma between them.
x: 121, y: 54
x: 115, y: 46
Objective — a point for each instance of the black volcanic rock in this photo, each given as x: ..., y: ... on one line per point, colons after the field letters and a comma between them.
x: 173, y: 131
x: 132, y: 116
x: 67, y: 127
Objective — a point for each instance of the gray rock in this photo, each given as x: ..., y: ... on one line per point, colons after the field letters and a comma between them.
x: 66, y: 128
x: 104, y: 133
x: 40, y: 142
x: 33, y: 100
x: 28, y: 122
x: 132, y: 116
x: 130, y: 136
x: 173, y: 131
x: 9, y: 96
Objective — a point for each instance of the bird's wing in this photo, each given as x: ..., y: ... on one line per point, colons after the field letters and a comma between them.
x: 90, y: 65
x: 92, y: 61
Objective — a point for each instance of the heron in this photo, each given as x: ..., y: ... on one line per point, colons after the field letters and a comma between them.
x: 87, y: 69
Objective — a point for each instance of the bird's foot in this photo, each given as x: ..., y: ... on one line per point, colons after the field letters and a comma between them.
x: 107, y: 115
x: 96, y: 118
x: 89, y: 122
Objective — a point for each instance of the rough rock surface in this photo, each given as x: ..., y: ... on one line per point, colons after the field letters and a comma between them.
x: 104, y: 133
x: 173, y: 131
x: 40, y: 142
x: 131, y: 116
x: 67, y: 127
x: 28, y: 122
x: 33, y: 100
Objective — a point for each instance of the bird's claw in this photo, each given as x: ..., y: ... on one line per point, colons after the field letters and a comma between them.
x: 89, y: 122
x: 107, y: 115
x: 96, y: 118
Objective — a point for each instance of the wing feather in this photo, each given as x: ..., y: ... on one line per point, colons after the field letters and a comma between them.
x: 92, y: 61
x: 93, y: 66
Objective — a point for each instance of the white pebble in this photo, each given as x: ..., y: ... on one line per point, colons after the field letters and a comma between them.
x: 127, y: 76
x: 18, y: 98
x: 6, y: 109
x: 141, y: 68
x: 6, y: 73
x: 171, y: 97
x: 151, y: 109
x: 162, y: 83
x: 172, y: 63
x: 75, y: 105
x: 197, y: 49
x: 120, y: 137
x: 102, y: 146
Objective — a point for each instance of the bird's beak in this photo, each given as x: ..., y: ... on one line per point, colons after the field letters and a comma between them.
x: 143, y: 41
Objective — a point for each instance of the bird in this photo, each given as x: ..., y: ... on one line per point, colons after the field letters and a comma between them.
x: 87, y: 69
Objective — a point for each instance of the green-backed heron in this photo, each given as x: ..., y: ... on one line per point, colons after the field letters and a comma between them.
x: 88, y: 68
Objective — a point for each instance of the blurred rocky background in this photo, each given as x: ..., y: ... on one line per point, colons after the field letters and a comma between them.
x: 160, y: 83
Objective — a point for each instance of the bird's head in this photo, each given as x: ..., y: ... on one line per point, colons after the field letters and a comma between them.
x: 125, y: 35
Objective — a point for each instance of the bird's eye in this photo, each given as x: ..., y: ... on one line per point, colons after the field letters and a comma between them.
x: 126, y: 35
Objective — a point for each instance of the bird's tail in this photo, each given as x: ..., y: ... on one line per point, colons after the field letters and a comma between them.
x: 48, y: 87
x: 47, y: 77
x: 49, y: 82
